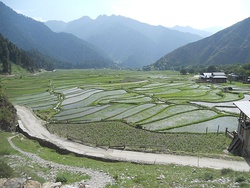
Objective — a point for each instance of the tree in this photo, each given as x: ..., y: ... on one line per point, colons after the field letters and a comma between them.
x: 183, y: 71
x: 211, y: 68
x: 5, y: 58
x: 191, y: 71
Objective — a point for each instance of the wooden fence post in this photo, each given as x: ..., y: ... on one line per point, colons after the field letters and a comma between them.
x: 218, y: 129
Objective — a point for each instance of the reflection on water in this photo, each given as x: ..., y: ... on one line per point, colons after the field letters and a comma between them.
x: 224, y: 106
x: 211, y: 126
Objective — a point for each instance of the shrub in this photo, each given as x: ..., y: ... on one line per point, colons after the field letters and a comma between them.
x: 208, y: 176
x: 244, y: 185
x: 5, y: 152
x: 240, y: 179
x: 5, y: 170
x: 61, y: 178
x: 226, y: 171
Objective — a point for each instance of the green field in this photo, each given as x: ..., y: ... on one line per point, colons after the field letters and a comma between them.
x: 160, y: 112
x: 153, y: 102
x: 125, y: 174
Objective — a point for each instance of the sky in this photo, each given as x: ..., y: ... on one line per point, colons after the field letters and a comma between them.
x: 199, y: 14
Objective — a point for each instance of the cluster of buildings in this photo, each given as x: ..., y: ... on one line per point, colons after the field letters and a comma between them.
x: 214, y: 77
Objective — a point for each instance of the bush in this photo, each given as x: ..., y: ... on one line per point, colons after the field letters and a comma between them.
x: 61, y: 178
x: 5, y: 152
x: 240, y: 179
x: 5, y: 170
x: 226, y: 171
x: 244, y: 185
x: 208, y: 176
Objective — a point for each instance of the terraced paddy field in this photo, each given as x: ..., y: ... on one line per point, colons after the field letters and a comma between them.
x: 154, y: 102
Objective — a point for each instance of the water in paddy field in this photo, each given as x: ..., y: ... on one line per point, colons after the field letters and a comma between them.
x: 211, y: 126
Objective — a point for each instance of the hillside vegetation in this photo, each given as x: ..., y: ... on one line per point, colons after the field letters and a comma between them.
x: 68, y: 50
x: 8, y: 117
x: 10, y: 53
x: 229, y: 46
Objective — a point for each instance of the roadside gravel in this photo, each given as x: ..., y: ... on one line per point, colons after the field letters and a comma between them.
x: 98, y: 179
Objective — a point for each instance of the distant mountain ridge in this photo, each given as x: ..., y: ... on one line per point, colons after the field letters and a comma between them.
x: 188, y: 29
x: 228, y: 46
x: 128, y: 42
x: 29, y: 34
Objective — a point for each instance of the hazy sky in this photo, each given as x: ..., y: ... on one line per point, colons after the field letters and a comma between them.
x: 195, y: 13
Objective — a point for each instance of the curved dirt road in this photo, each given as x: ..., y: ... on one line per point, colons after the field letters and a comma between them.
x: 98, y: 179
x: 31, y: 125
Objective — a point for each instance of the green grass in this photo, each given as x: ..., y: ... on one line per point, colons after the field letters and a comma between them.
x: 174, y: 90
x: 135, y: 175
x: 100, y: 134
x: 130, y: 87
x: 68, y: 178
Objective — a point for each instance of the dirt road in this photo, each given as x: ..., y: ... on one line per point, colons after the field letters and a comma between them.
x: 33, y: 126
x: 98, y: 179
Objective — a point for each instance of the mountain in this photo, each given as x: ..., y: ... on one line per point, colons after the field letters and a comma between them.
x: 128, y: 42
x: 56, y: 26
x: 188, y: 29
x: 9, y: 54
x: 29, y: 34
x: 231, y: 45
x: 214, y: 29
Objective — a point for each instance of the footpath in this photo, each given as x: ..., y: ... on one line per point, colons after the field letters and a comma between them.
x: 34, y: 127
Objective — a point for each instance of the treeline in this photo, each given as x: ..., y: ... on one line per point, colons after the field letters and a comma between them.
x: 9, y: 53
x: 241, y: 70
x: 31, y: 61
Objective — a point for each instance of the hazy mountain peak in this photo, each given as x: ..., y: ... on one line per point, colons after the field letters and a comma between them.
x: 128, y: 41
x: 83, y: 19
x: 188, y: 29
x: 56, y: 26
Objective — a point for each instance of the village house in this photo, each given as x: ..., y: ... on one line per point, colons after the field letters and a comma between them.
x: 240, y: 144
x: 214, y: 77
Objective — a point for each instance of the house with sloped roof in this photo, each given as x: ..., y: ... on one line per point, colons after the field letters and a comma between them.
x: 214, y: 77
x: 219, y: 77
x: 240, y: 145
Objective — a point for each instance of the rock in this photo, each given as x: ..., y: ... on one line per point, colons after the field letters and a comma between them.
x: 15, y: 182
x: 32, y: 184
x: 82, y: 185
x: 52, y: 185
x: 161, y: 177
x: 2, y: 181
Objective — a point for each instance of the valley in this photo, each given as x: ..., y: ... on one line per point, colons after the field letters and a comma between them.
x: 115, y: 102
x: 111, y: 109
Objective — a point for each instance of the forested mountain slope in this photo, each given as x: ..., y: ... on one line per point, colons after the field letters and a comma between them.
x: 229, y: 46
x: 29, y: 34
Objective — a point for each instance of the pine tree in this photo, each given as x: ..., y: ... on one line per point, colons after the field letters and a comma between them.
x: 5, y: 58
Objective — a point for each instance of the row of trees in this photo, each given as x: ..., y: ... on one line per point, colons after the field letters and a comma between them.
x: 9, y: 53
x: 242, y: 70
x: 31, y: 60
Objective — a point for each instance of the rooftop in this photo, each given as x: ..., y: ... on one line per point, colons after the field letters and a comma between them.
x: 244, y: 106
